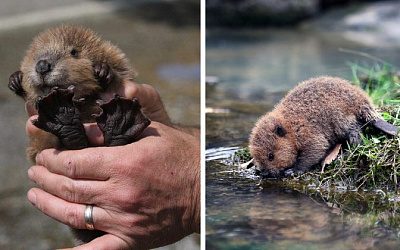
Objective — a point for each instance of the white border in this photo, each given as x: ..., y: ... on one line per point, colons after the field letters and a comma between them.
x: 203, y: 122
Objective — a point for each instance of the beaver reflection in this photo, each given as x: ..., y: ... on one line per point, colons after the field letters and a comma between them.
x: 283, y: 214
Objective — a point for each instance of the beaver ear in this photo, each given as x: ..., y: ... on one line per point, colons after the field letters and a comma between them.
x: 280, y: 131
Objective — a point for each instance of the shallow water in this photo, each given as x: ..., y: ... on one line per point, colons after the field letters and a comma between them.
x: 255, y: 69
x: 245, y: 213
x: 165, y: 52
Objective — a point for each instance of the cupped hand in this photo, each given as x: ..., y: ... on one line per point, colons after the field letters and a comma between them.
x: 146, y: 194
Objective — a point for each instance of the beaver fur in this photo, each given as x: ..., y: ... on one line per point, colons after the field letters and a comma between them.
x: 308, y: 123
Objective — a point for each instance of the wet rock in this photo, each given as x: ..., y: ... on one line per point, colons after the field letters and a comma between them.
x: 212, y: 80
x: 375, y: 25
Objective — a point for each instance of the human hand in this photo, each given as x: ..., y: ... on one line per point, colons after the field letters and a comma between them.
x: 149, y: 98
x: 146, y: 194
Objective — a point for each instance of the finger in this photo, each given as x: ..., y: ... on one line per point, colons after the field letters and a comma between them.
x: 30, y: 109
x: 94, y: 134
x: 148, y: 97
x: 76, y: 191
x: 132, y: 90
x: 151, y: 102
x: 128, y: 90
x: 105, y: 242
x: 68, y: 213
x: 87, y: 164
x: 32, y: 130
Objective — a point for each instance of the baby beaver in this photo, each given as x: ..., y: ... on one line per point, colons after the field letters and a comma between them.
x: 308, y: 123
x: 63, y: 74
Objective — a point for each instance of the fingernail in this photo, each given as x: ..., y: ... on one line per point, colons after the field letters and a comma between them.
x: 30, y: 173
x: 32, y: 197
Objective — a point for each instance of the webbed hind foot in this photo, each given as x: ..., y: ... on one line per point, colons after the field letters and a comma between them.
x: 354, y: 137
x: 59, y: 116
x: 121, y: 121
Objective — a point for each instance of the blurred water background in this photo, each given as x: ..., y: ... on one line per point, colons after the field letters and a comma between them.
x: 162, y: 41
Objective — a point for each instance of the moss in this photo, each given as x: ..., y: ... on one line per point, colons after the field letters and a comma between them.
x: 242, y: 155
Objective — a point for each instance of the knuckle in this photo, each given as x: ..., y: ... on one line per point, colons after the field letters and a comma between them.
x: 39, y: 159
x: 127, y: 199
x: 70, y: 167
x: 143, y: 158
x: 131, y: 222
x: 131, y: 90
x: 68, y: 191
x: 71, y: 217
x: 39, y: 181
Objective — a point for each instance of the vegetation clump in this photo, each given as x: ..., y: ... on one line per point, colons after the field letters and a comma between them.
x: 374, y: 164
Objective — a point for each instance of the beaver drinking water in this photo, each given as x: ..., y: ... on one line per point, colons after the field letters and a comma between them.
x: 308, y: 123
x: 63, y: 74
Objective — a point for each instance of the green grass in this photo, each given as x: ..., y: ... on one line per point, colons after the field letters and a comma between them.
x: 381, y: 83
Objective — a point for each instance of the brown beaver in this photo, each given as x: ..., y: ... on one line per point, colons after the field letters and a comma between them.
x: 63, y: 74
x: 308, y: 123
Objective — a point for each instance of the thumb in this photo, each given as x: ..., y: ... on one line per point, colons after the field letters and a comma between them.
x: 94, y: 134
x: 30, y: 109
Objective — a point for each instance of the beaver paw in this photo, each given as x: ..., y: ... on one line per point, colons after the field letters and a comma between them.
x: 59, y: 116
x: 354, y: 138
x: 121, y: 121
x: 292, y: 172
x: 103, y: 74
x: 15, y: 84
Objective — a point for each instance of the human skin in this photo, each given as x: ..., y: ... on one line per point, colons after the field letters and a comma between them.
x: 146, y: 194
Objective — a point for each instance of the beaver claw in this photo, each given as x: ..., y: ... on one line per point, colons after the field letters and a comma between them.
x: 59, y: 116
x: 103, y: 74
x: 15, y: 84
x: 121, y: 121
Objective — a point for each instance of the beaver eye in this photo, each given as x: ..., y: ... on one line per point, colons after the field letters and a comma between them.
x: 270, y: 156
x: 280, y: 131
x: 74, y: 52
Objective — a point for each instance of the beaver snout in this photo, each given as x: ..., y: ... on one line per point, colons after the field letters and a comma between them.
x: 276, y: 174
x: 269, y: 174
x: 264, y: 174
x: 43, y: 67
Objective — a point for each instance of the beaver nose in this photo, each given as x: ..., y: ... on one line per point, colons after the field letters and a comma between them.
x: 261, y: 172
x: 43, y: 66
x: 266, y: 173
